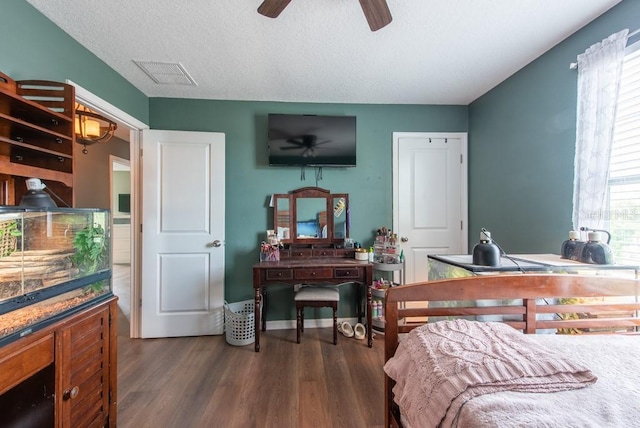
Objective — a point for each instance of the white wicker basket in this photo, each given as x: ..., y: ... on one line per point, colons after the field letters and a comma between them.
x: 239, y: 323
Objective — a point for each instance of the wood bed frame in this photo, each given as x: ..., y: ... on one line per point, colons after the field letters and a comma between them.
x: 587, y: 303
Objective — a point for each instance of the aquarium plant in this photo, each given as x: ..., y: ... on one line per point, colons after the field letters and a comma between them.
x: 90, y: 246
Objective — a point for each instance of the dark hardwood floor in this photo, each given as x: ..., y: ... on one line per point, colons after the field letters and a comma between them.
x: 204, y: 382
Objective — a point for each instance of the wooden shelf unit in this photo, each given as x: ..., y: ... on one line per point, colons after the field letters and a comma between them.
x: 36, y: 137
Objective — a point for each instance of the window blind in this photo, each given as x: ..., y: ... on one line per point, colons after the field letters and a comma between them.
x: 624, y: 173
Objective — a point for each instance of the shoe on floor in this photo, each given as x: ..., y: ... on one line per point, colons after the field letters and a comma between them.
x: 345, y: 328
x: 359, y: 331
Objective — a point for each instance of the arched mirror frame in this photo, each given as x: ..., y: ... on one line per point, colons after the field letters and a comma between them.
x: 288, y: 219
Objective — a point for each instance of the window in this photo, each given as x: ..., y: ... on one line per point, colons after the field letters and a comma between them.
x: 624, y: 173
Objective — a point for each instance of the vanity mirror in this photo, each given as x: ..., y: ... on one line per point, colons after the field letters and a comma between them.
x: 311, y: 215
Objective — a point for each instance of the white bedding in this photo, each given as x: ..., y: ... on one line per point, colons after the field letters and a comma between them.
x: 613, y: 401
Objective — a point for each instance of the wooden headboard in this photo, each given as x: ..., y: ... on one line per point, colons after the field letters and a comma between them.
x: 528, y: 302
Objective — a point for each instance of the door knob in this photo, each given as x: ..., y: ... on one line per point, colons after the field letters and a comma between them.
x: 404, y: 239
x: 215, y: 243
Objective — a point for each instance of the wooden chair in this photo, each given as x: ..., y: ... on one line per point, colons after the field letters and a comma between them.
x: 316, y: 297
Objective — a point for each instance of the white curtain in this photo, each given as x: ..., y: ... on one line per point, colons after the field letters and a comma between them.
x: 599, y: 71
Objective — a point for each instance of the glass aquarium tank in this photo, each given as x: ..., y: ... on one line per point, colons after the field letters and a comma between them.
x: 53, y: 262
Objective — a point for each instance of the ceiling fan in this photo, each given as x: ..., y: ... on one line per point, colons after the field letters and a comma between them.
x: 376, y: 11
x: 307, y: 143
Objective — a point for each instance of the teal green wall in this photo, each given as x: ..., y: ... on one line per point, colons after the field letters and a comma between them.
x: 250, y: 181
x: 46, y: 52
x: 33, y: 47
x: 522, y: 145
x: 521, y: 141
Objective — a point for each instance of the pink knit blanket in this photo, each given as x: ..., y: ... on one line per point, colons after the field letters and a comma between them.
x: 442, y: 365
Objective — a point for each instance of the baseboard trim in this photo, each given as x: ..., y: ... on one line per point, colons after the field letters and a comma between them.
x: 308, y: 323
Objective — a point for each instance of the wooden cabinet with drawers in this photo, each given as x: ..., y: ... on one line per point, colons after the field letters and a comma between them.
x: 76, y: 359
x: 310, y: 271
x: 36, y: 137
x: 313, y: 251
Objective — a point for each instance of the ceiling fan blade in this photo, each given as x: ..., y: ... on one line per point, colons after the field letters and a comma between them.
x: 377, y: 13
x: 272, y: 8
x: 295, y: 141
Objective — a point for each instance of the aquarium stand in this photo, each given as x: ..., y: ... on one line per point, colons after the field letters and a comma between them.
x: 64, y: 375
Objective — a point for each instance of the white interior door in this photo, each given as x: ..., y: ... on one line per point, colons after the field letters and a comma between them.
x: 182, y: 233
x: 429, y: 197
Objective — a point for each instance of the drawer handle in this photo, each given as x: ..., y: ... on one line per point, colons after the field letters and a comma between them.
x: 60, y: 159
x: 58, y: 140
x: 19, y: 158
x: 54, y: 122
x: 71, y: 393
x: 279, y: 273
x: 19, y: 139
x: 313, y: 274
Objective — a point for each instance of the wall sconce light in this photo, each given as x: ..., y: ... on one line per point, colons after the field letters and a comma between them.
x: 91, y: 128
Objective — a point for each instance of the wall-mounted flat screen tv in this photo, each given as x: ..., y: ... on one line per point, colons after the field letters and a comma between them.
x: 312, y: 140
x: 124, y: 202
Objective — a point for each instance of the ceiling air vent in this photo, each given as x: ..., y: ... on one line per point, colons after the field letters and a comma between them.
x: 166, y: 73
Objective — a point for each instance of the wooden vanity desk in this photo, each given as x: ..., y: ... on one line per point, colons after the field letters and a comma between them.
x: 324, y: 270
x: 311, y: 224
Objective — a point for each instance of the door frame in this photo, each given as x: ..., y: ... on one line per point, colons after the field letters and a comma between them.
x: 464, y: 192
x: 113, y: 161
x: 108, y: 110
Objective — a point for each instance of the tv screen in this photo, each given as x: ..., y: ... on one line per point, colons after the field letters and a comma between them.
x: 124, y: 202
x: 311, y: 140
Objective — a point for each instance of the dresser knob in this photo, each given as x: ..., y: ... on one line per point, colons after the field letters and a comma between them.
x: 71, y: 393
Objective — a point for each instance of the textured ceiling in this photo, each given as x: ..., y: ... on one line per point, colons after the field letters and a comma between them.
x: 434, y: 51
